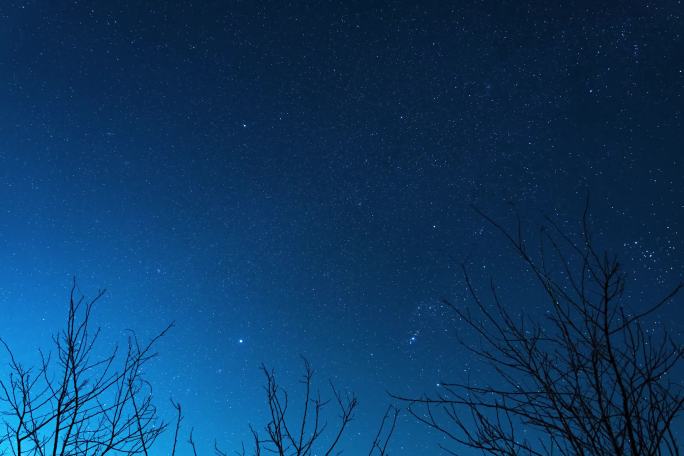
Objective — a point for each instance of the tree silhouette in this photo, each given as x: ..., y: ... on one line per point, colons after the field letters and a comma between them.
x: 309, y: 432
x: 588, y: 377
x: 76, y: 403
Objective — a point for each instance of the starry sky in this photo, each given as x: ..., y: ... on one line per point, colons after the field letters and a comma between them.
x: 296, y: 178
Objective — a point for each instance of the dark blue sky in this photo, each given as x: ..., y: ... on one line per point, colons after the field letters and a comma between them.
x: 299, y: 176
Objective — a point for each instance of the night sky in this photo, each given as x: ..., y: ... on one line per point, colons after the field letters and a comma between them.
x: 285, y: 179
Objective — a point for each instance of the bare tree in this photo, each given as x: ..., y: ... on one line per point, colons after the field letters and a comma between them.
x: 80, y: 403
x: 380, y: 444
x: 176, y: 431
x: 587, y: 377
x: 285, y: 436
x: 307, y: 431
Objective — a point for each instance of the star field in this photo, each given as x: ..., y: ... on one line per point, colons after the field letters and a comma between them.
x: 285, y: 179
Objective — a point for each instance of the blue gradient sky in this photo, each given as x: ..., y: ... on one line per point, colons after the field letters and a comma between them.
x: 299, y: 177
